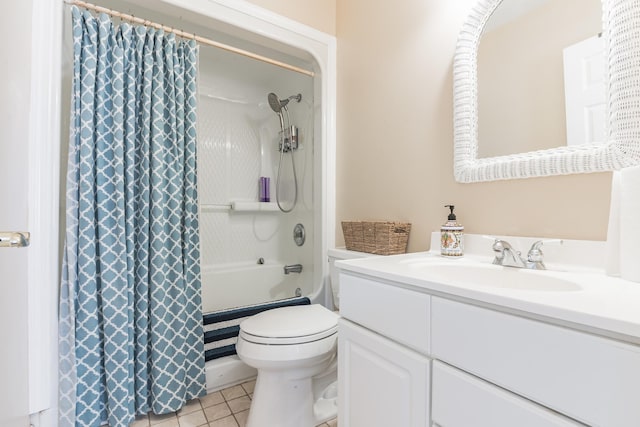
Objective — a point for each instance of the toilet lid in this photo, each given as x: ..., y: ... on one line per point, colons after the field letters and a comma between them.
x: 290, y: 325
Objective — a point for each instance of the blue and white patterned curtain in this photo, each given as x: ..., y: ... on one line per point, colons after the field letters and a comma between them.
x: 130, y: 305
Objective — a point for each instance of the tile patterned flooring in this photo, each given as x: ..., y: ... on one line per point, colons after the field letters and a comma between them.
x: 225, y: 408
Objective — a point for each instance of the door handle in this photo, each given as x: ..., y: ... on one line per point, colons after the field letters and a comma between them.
x: 14, y: 239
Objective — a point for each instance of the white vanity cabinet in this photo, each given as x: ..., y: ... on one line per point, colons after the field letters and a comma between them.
x: 413, y: 355
x: 383, y: 371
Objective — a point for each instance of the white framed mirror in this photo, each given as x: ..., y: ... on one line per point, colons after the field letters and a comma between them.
x: 619, y: 142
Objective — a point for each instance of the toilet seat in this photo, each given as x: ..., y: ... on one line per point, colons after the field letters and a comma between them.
x: 290, y: 325
x: 287, y: 341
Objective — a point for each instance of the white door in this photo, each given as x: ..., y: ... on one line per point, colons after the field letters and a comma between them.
x: 14, y: 136
x: 584, y: 90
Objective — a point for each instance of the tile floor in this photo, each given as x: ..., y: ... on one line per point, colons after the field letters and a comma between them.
x: 225, y: 408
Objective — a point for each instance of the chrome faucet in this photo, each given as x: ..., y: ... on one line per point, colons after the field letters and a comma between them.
x: 293, y: 268
x: 509, y: 257
x: 535, y: 256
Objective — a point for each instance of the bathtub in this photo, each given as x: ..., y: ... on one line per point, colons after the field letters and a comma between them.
x: 242, y: 284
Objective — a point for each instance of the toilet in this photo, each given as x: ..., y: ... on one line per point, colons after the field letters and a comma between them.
x: 294, y: 351
x: 288, y: 346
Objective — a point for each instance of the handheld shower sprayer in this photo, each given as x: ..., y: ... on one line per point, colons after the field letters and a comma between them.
x: 288, y: 141
x: 277, y: 104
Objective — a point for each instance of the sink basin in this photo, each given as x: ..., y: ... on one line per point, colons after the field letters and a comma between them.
x: 493, y: 276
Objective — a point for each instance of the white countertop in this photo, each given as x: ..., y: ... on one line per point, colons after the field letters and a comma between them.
x: 603, y: 305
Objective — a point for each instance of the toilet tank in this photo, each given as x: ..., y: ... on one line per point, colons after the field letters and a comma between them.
x: 338, y: 255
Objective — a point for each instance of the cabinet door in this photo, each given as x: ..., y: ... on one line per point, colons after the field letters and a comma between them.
x: 462, y: 400
x: 380, y: 383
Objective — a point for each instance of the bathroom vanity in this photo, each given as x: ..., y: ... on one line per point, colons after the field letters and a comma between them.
x: 430, y: 341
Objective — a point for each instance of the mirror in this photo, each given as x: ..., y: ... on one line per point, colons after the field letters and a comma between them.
x: 493, y: 144
x: 520, y: 56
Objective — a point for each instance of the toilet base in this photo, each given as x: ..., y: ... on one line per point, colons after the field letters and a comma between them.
x: 294, y: 402
x: 281, y: 402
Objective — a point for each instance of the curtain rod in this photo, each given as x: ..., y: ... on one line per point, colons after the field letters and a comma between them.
x: 180, y: 33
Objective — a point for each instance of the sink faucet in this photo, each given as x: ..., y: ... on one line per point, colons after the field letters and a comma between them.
x: 293, y: 268
x: 509, y: 257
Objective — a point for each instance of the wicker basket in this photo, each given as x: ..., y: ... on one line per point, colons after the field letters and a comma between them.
x: 376, y: 237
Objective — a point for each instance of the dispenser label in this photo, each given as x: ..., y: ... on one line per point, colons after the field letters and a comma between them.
x: 452, y: 243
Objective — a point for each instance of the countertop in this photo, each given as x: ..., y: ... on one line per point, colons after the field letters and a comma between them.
x: 603, y: 305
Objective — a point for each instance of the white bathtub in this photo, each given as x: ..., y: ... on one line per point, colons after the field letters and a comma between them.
x: 242, y: 284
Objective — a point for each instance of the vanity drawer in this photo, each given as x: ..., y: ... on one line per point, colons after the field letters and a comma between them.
x: 591, y: 379
x: 399, y: 314
x: 462, y: 400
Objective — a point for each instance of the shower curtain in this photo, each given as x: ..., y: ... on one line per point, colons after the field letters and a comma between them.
x: 130, y: 306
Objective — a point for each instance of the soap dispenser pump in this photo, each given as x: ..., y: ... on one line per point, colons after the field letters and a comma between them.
x: 451, y: 236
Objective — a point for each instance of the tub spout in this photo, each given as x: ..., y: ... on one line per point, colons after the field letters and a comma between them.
x: 293, y: 268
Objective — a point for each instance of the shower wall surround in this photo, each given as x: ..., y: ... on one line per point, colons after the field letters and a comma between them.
x: 238, y: 136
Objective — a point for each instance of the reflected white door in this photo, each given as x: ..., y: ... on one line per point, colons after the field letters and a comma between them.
x: 584, y: 89
x: 15, y: 23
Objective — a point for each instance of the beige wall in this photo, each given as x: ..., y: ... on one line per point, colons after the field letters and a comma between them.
x: 395, y: 142
x: 319, y: 14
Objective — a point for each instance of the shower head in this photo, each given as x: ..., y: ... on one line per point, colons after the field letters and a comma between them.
x: 275, y: 103
x: 278, y: 104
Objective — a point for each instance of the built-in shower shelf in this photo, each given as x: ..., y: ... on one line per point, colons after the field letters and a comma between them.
x: 254, y: 207
x: 241, y: 207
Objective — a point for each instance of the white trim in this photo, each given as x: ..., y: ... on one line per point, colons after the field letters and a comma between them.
x: 621, y: 29
x: 43, y: 196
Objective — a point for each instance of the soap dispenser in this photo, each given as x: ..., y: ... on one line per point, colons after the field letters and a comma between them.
x: 451, y: 236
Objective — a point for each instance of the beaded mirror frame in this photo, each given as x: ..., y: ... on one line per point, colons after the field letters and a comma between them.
x: 621, y: 30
